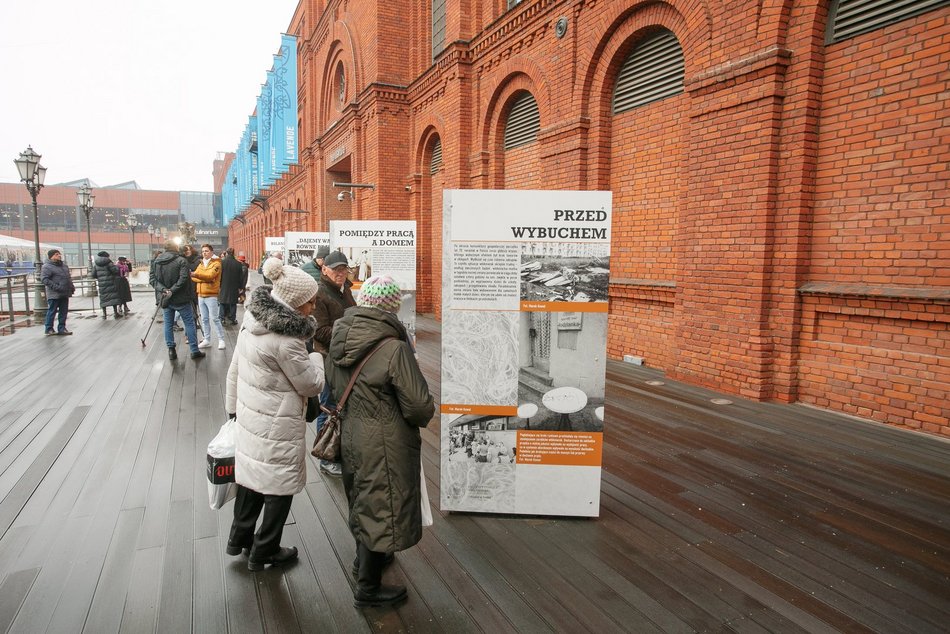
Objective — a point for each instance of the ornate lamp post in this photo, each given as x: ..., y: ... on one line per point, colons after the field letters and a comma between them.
x: 150, y: 230
x: 133, y: 225
x: 86, y: 203
x: 32, y: 174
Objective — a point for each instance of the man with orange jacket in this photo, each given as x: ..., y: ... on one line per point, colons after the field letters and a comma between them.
x: 207, y: 279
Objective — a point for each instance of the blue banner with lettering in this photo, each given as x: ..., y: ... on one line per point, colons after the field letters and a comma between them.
x: 263, y: 133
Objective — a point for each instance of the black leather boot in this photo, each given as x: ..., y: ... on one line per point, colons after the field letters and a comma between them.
x: 280, y: 558
x: 370, y: 592
x: 172, y: 354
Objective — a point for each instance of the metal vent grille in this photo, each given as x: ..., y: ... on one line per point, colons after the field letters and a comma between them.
x: 436, y: 164
x: 654, y: 70
x: 852, y: 17
x: 523, y: 123
x: 438, y: 27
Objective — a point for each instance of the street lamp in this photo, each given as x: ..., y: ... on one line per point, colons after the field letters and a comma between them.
x: 32, y: 174
x: 86, y: 203
x: 133, y: 225
x: 150, y: 229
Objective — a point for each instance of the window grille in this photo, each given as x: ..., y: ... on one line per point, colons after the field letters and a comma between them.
x: 852, y: 17
x: 653, y: 71
x: 524, y: 122
x: 436, y: 164
x: 438, y: 27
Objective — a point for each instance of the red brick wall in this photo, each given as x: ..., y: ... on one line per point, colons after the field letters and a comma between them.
x: 880, y: 227
x: 784, y: 164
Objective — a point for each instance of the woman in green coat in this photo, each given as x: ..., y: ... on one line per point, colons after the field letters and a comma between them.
x: 380, y: 438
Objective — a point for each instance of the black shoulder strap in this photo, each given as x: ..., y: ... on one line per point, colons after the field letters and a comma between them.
x: 356, y: 373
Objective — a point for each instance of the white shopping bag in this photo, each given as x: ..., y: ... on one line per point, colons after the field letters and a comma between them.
x: 426, y: 509
x: 221, y: 486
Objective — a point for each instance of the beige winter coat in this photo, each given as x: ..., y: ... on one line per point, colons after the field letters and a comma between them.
x: 270, y: 377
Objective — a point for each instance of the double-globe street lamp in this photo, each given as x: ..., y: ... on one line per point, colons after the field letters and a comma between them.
x: 32, y: 174
x: 133, y: 225
x: 86, y: 203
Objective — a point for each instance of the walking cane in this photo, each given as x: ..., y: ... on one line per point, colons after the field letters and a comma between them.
x: 158, y: 307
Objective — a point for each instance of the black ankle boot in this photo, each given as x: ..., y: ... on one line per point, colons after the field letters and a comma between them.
x: 370, y: 592
x: 172, y: 354
x: 280, y: 558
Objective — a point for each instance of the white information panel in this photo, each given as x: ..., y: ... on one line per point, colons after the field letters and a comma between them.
x: 524, y: 347
x: 301, y: 246
x: 273, y: 243
x: 381, y: 247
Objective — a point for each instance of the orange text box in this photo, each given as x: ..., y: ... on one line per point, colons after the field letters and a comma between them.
x: 564, y: 307
x: 482, y: 410
x: 573, y: 448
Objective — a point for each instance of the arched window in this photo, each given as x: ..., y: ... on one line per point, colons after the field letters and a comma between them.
x: 524, y: 122
x: 340, y: 84
x: 852, y: 17
x: 654, y: 70
x: 436, y: 163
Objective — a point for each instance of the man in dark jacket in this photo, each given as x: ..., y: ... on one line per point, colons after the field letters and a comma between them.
x: 233, y: 281
x: 170, y: 277
x: 59, y: 288
x: 314, y: 268
x: 333, y: 298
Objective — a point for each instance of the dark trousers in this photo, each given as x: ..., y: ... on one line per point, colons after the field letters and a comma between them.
x: 247, y: 507
x: 59, y: 305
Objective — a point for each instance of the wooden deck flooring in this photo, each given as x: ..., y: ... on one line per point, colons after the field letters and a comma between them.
x: 747, y: 517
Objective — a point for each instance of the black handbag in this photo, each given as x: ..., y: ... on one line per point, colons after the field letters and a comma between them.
x: 326, y: 445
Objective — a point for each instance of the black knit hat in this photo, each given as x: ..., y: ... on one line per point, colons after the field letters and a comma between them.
x: 51, y: 253
x: 103, y: 254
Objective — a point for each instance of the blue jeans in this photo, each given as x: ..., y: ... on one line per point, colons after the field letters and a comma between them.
x: 61, y: 305
x: 326, y: 400
x: 210, y: 312
x: 188, y: 318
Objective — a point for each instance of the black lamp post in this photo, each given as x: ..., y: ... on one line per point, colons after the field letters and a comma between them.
x: 86, y: 203
x: 133, y: 225
x: 32, y: 174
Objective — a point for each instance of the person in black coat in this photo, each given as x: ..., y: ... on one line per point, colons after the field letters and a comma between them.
x: 106, y: 273
x: 170, y: 276
x: 233, y: 281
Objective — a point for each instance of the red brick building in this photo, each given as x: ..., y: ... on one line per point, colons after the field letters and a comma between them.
x: 779, y: 170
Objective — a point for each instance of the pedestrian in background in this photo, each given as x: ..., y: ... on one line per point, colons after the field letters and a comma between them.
x: 269, y: 379
x: 125, y: 289
x: 380, y: 436
x: 233, y: 281
x: 106, y: 273
x: 59, y: 288
x: 207, y: 279
x: 169, y: 277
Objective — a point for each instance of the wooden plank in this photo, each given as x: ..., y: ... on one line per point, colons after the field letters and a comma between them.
x: 12, y: 592
x: 208, y: 597
x: 175, y: 608
x: 20, y: 494
x: 105, y: 612
x: 140, y: 612
x: 244, y: 610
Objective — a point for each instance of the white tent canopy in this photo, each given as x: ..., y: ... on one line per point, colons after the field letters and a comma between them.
x: 23, y: 249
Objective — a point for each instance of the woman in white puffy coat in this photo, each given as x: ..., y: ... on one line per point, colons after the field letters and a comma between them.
x: 269, y: 379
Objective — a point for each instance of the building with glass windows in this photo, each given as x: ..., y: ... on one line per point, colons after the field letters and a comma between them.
x: 118, y: 209
x: 779, y: 170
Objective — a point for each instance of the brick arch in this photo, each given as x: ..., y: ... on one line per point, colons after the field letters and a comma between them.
x: 626, y: 31
x: 427, y: 212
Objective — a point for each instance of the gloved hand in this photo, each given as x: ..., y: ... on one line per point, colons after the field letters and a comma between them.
x: 234, y: 416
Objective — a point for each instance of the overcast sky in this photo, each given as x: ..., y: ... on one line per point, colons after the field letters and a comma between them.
x: 120, y: 90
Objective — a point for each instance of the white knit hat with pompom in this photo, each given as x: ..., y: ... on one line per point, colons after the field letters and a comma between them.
x: 291, y: 285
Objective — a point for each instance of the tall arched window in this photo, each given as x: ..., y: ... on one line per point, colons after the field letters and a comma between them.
x: 524, y: 122
x: 436, y: 163
x: 654, y: 70
x: 438, y: 27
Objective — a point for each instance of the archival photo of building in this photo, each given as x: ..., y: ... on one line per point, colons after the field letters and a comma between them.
x: 778, y: 171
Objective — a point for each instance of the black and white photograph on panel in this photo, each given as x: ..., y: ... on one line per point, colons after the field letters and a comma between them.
x: 561, y: 376
x: 564, y: 271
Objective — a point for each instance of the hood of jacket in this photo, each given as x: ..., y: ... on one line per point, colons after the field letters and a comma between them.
x: 269, y: 315
x: 101, y: 261
x: 361, y: 328
x: 165, y: 257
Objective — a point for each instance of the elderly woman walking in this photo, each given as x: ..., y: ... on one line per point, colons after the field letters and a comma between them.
x: 269, y: 380
x: 107, y: 274
x: 381, y: 444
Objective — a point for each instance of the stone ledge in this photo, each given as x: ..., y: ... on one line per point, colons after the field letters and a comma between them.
x: 931, y: 293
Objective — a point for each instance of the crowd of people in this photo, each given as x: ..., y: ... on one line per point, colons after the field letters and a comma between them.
x: 303, y: 340
x: 477, y: 446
